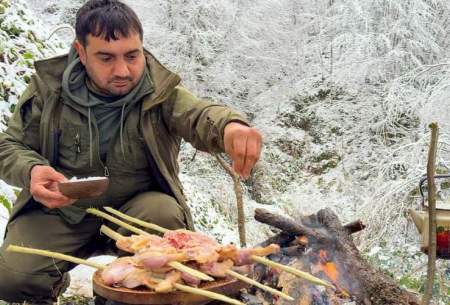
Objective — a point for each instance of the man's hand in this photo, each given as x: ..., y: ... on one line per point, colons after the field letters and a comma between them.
x: 243, y: 145
x: 44, y: 187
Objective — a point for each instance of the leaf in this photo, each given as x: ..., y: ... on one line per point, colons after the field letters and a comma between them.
x: 28, y: 55
x: 6, y: 203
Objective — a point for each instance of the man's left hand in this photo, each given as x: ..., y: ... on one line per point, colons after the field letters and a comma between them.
x: 243, y: 145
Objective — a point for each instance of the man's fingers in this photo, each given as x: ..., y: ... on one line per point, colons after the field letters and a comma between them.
x: 56, y: 176
x: 252, y: 155
x: 243, y: 145
x: 45, y: 196
x: 238, y: 154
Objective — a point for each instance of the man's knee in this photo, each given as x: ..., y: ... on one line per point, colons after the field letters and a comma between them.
x: 157, y: 208
x: 42, y: 288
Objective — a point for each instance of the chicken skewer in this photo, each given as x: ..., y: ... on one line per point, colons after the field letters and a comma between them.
x: 173, y: 264
x: 304, y: 275
x: 116, y: 236
x: 76, y: 260
x: 181, y: 238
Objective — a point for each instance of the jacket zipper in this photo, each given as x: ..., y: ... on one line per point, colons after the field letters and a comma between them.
x: 78, y: 143
x: 106, y: 172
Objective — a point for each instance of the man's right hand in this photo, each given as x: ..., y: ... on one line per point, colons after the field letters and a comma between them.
x: 44, y: 187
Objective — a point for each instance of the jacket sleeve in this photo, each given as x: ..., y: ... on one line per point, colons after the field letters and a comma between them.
x: 19, y: 143
x: 197, y: 121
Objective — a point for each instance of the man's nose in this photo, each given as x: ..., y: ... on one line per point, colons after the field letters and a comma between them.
x: 121, y: 69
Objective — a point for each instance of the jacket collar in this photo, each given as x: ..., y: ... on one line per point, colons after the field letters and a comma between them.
x: 51, y: 70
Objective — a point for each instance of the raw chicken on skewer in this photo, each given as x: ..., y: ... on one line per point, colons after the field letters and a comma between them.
x: 218, y: 269
x: 132, y: 281
x: 255, y: 258
x: 171, y: 263
x: 123, y: 272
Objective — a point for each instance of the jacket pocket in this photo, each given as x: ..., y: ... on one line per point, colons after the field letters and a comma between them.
x: 74, y: 147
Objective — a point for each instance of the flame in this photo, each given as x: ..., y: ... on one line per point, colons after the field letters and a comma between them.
x: 302, y: 240
x: 331, y: 271
x: 329, y: 268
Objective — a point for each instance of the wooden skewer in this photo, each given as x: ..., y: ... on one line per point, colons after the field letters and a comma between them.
x: 114, y: 235
x: 299, y: 273
x: 60, y: 256
x: 175, y: 265
x: 137, y: 221
x: 116, y: 221
x: 76, y: 260
x: 259, y: 285
x: 304, y: 275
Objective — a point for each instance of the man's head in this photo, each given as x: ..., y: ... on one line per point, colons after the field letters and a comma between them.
x: 109, y: 43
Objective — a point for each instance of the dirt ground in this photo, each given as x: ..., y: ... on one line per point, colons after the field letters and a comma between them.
x: 72, y: 300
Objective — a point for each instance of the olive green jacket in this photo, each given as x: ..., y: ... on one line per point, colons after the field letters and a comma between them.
x: 168, y: 114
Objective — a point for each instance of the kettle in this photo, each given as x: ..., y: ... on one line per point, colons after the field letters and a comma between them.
x: 421, y: 220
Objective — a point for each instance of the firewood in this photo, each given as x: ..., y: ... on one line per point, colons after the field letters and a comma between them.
x: 287, y: 225
x: 353, y: 275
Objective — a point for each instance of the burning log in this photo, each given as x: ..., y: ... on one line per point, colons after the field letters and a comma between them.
x: 330, y: 254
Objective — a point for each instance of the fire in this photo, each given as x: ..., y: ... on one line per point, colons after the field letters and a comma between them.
x: 328, y: 267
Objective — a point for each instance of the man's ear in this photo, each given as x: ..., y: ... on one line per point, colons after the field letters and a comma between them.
x: 80, y: 50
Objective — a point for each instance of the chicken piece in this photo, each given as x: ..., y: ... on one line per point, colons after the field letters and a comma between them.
x: 135, y: 243
x: 182, y: 239
x: 190, y: 279
x: 118, y: 270
x: 123, y: 272
x: 153, y: 259
x: 167, y: 284
x: 217, y: 269
x: 139, y: 277
x: 242, y: 256
x: 196, y: 246
x: 227, y: 252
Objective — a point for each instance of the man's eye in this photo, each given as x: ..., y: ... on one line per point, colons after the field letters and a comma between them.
x: 105, y: 58
x: 131, y: 57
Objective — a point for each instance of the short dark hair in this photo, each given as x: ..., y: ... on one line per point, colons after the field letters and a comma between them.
x: 108, y: 19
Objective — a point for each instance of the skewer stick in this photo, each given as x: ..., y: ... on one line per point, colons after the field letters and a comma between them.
x: 60, y: 256
x: 116, y: 221
x: 304, y: 275
x: 76, y: 260
x: 259, y: 285
x: 174, y: 264
x: 301, y: 274
x: 137, y: 221
x: 114, y: 235
x: 206, y: 293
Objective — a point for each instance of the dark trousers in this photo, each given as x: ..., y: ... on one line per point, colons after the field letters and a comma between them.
x: 40, y: 280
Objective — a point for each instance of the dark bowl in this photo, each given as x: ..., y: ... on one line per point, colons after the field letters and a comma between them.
x: 84, y: 188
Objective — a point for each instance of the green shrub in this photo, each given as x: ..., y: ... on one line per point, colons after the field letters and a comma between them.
x: 6, y: 203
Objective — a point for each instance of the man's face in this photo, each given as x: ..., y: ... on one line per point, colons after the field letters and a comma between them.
x: 115, y: 67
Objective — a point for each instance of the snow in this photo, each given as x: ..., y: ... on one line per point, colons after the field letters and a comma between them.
x: 75, y: 179
x: 343, y: 92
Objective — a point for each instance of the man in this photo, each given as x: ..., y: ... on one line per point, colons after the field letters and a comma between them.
x: 108, y: 108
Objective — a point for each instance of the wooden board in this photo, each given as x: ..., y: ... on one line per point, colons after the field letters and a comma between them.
x: 229, y: 287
